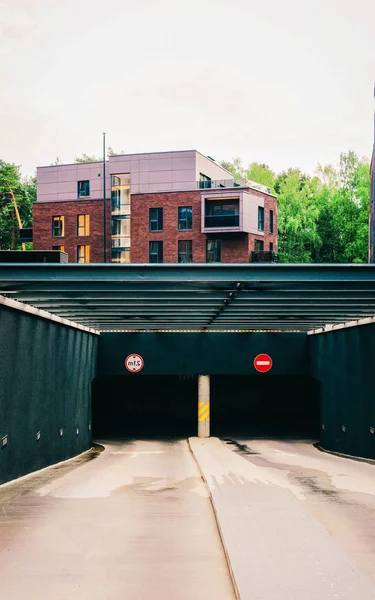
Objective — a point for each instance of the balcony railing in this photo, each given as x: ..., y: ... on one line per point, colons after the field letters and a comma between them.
x: 222, y: 221
x: 120, y: 242
x: 264, y: 256
x: 222, y: 183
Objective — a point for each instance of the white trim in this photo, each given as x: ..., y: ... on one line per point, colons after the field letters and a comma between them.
x: 43, y: 314
x: 327, y: 328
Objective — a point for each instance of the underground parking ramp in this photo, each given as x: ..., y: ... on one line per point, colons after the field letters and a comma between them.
x: 275, y: 547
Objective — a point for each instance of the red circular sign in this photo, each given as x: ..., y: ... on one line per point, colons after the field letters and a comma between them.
x: 263, y: 363
x: 134, y: 363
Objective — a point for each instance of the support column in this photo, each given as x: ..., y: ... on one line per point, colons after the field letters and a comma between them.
x: 203, y: 406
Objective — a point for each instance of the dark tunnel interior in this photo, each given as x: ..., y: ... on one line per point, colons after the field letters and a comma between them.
x: 158, y: 407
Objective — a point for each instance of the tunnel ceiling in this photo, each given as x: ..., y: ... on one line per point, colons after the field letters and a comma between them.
x: 195, y: 296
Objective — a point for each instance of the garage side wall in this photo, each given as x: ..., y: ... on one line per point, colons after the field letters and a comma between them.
x: 344, y: 362
x: 46, y: 370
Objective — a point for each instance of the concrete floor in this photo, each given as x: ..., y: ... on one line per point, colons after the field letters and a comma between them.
x: 339, y: 492
x: 134, y: 523
x: 286, y: 540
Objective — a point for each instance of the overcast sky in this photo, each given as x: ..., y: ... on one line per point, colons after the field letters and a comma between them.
x: 289, y: 83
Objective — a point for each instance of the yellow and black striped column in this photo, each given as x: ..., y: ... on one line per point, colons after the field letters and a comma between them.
x: 203, y: 406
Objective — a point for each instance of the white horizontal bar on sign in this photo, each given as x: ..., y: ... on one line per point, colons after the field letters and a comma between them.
x: 327, y: 328
x: 43, y: 314
x: 263, y: 362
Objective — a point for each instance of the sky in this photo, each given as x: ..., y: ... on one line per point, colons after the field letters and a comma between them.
x: 288, y: 83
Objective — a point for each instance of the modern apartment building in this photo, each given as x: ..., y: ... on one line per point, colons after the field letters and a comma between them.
x: 160, y: 207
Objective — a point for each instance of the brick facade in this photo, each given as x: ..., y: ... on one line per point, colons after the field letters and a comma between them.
x: 42, y: 227
x: 235, y: 247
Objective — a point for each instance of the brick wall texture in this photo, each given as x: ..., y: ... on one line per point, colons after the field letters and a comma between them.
x: 235, y: 247
x: 42, y: 227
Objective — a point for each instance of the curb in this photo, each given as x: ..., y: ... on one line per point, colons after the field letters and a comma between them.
x: 369, y: 461
x: 94, y: 448
x: 226, y: 554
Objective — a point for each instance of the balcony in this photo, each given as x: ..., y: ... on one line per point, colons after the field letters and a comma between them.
x: 221, y: 221
x: 120, y: 243
x: 264, y: 256
x: 224, y: 183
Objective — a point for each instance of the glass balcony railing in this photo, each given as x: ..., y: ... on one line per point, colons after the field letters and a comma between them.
x: 222, y: 221
x: 120, y: 242
x: 222, y: 183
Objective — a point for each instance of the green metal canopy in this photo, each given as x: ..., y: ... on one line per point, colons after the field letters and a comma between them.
x: 237, y: 297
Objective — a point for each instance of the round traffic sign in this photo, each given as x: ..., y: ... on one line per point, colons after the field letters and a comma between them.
x: 263, y: 363
x: 134, y: 363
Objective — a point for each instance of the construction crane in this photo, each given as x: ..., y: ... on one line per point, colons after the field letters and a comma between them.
x: 17, y: 213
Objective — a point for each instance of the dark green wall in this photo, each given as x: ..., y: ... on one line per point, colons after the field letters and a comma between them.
x: 203, y: 353
x: 343, y: 361
x: 46, y: 370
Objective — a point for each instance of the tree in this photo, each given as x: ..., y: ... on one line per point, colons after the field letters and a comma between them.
x: 261, y: 173
x: 85, y: 158
x: 24, y: 192
x: 235, y: 167
x: 57, y: 161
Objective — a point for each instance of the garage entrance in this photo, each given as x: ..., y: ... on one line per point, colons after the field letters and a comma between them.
x: 150, y: 406
x: 265, y: 406
x: 166, y: 406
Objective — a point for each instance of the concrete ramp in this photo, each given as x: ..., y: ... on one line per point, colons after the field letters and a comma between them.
x: 275, y: 547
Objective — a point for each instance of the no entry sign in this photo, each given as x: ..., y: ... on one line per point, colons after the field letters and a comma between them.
x: 263, y: 363
x: 134, y: 363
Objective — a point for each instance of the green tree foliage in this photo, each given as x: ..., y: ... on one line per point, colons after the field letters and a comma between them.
x: 25, y: 194
x: 85, y: 158
x: 323, y: 218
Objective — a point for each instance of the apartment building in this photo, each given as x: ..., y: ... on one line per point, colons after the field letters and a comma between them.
x: 160, y: 207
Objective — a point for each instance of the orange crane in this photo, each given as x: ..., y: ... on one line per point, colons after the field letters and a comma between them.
x: 17, y: 213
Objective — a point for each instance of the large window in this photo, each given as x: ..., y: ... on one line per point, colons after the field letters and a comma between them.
x: 83, y: 189
x: 271, y: 246
x: 155, y: 252
x: 260, y: 218
x: 83, y: 254
x: 222, y: 213
x: 204, y: 181
x: 258, y: 245
x: 58, y: 226
x: 156, y: 219
x: 83, y: 225
x: 271, y: 221
x: 213, y: 251
x: 185, y: 251
x: 185, y: 217
x: 60, y: 248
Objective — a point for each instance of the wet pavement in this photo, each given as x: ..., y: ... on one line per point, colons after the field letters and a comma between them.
x: 134, y: 523
x: 339, y: 492
x: 285, y: 540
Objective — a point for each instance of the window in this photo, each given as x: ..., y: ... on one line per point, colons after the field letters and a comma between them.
x: 222, y: 213
x: 83, y: 189
x: 60, y: 248
x: 83, y: 254
x: 156, y: 219
x: 271, y: 221
x: 204, y: 181
x: 83, y: 224
x: 271, y: 246
x: 58, y: 226
x: 185, y: 251
x: 213, y: 251
x: 185, y: 217
x: 260, y: 218
x: 258, y: 245
x: 155, y: 252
